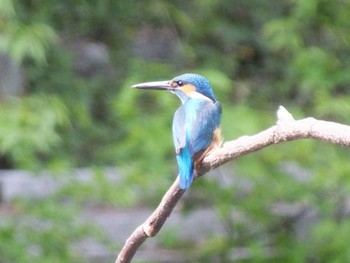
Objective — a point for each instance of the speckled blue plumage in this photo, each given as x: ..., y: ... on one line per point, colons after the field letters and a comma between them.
x: 201, y: 83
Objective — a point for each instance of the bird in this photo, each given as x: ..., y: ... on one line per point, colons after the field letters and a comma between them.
x: 196, y: 123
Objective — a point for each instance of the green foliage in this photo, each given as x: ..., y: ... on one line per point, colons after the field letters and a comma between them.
x: 30, y: 41
x: 257, y: 55
x: 43, y: 233
x: 27, y: 131
x: 7, y: 10
x: 100, y: 190
x: 22, y: 40
x: 328, y: 245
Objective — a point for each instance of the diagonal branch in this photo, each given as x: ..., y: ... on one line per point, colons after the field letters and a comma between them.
x: 153, y: 224
x: 286, y: 129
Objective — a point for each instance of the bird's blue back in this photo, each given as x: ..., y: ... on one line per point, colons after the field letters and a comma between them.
x: 193, y: 129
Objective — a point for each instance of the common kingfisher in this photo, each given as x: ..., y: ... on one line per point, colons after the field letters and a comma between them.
x: 196, y: 122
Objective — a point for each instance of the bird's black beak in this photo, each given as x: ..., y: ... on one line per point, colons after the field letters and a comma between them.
x: 154, y: 85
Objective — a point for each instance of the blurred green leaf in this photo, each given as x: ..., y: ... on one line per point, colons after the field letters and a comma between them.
x: 6, y: 10
x: 31, y: 41
x: 29, y: 127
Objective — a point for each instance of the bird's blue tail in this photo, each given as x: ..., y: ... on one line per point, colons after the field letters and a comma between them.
x: 185, y: 168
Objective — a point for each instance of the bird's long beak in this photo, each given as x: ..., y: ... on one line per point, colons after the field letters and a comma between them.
x: 154, y: 85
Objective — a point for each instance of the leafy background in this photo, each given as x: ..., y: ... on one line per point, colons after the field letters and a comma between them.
x: 74, y: 111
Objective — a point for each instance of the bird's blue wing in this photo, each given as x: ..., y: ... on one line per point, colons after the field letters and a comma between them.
x: 183, y: 155
x: 207, y: 120
x: 193, y: 127
x: 194, y: 124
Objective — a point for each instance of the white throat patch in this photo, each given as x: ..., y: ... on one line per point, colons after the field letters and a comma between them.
x: 196, y: 95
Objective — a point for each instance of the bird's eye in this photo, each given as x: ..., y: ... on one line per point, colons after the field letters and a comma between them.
x: 179, y: 83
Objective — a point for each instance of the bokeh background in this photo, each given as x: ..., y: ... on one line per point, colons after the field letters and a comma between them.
x: 66, y: 68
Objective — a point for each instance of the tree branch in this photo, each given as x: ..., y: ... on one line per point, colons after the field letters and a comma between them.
x: 286, y: 129
x: 153, y: 224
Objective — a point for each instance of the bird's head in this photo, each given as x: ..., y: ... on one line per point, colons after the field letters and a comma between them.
x: 186, y: 86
